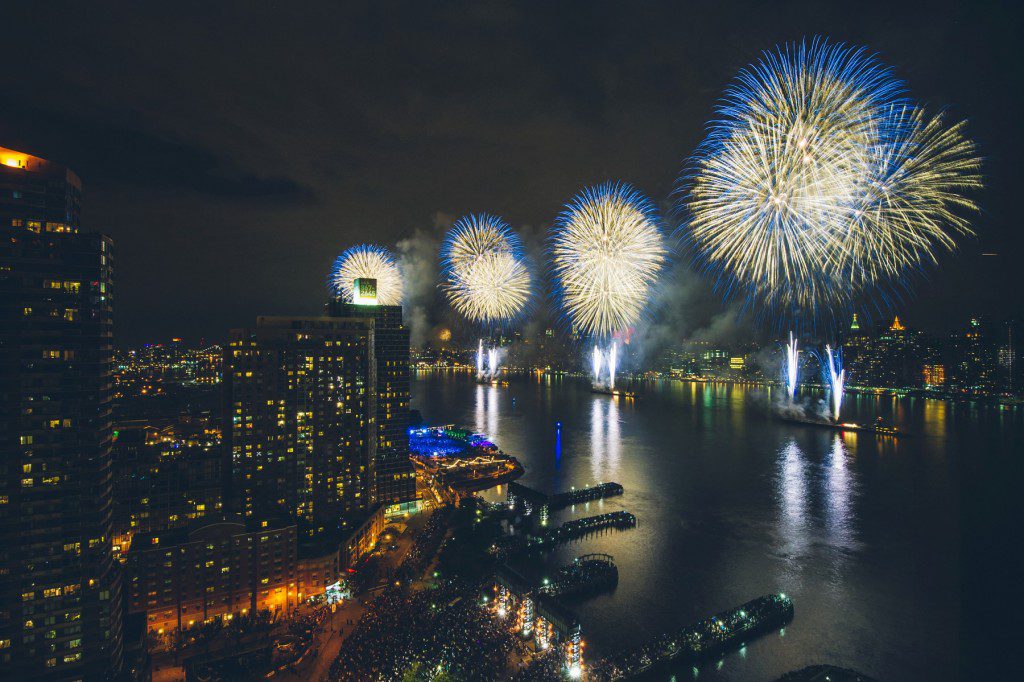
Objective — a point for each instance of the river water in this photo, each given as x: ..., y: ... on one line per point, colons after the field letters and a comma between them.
x: 863, y: 533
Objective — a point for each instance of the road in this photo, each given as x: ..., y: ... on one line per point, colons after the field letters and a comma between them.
x: 349, y: 612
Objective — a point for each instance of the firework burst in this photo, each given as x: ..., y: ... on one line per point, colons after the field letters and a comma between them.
x: 485, y: 276
x: 607, y: 249
x: 367, y: 261
x: 820, y: 182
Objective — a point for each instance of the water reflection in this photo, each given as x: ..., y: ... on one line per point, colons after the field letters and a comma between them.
x: 839, y: 490
x: 486, y: 410
x: 605, y: 439
x: 558, y: 445
x: 792, y: 493
x: 730, y: 510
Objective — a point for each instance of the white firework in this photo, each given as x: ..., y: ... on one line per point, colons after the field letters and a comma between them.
x: 607, y: 249
x: 367, y: 261
x: 486, y: 279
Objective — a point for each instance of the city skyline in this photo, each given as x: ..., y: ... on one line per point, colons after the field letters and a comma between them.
x: 183, y: 189
x: 513, y: 342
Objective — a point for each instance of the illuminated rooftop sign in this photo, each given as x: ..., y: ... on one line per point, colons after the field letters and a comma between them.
x: 364, y: 291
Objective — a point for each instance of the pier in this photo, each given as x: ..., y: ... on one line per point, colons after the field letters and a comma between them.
x: 586, y: 574
x: 703, y: 640
x: 537, y: 616
x: 530, y: 502
x: 584, y: 526
x: 575, y: 496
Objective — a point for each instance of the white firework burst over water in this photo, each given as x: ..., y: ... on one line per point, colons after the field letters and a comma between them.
x: 367, y: 261
x: 819, y: 181
x: 607, y: 249
x: 485, y: 277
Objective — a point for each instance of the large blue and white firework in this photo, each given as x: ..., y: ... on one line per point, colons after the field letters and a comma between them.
x: 819, y: 181
x: 366, y: 261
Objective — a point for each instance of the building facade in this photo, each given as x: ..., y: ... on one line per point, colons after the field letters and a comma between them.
x: 182, y: 578
x: 396, y: 478
x: 300, y: 422
x: 165, y: 476
x: 60, y: 590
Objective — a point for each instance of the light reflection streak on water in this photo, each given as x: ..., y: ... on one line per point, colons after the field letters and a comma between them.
x: 596, y: 441
x: 492, y: 413
x: 614, y: 441
x: 558, y: 447
x: 792, y: 493
x: 839, y: 489
x: 605, y: 439
x: 486, y: 411
x: 479, y: 410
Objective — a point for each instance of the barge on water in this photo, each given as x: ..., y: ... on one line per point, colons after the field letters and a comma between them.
x: 703, y: 640
x: 878, y: 428
x: 615, y: 392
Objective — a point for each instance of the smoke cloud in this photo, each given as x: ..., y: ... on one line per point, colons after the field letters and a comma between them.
x: 417, y: 259
x: 685, y: 308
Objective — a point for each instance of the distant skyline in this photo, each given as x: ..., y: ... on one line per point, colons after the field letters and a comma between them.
x: 232, y: 162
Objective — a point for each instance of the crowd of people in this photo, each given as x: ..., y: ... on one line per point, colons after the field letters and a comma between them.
x: 425, y: 545
x: 443, y: 629
x: 543, y: 668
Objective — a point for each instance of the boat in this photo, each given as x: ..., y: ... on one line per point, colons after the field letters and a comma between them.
x: 617, y: 392
x: 878, y: 428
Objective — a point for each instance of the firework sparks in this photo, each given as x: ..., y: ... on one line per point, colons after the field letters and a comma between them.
x: 371, y: 262
x: 819, y: 181
x: 835, y: 378
x: 792, y: 367
x: 486, y: 279
x: 607, y: 250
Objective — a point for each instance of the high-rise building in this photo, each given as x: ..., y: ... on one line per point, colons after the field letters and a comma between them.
x: 396, y: 479
x: 973, y: 359
x: 300, y: 421
x: 166, y: 475
x: 891, y: 358
x: 60, y: 591
x: 934, y: 375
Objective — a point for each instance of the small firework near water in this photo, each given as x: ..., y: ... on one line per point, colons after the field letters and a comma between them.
x: 792, y: 368
x: 835, y: 378
x: 607, y: 249
x: 819, y: 182
x: 485, y: 276
x: 367, y: 261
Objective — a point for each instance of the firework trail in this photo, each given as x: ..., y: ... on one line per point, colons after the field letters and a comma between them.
x: 835, y: 378
x: 366, y: 261
x: 819, y: 182
x: 792, y: 367
x: 612, y: 362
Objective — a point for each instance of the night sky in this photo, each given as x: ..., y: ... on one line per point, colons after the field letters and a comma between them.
x: 233, y: 149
